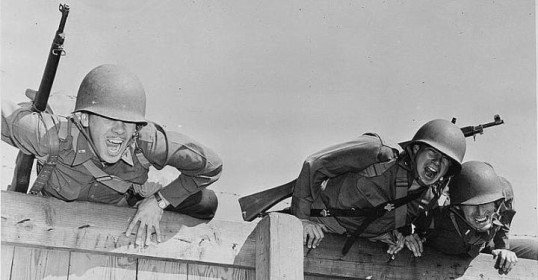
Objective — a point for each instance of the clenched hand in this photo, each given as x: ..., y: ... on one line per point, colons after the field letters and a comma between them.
x: 149, y: 215
x: 312, y: 233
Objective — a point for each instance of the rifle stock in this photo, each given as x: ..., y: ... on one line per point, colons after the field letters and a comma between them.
x: 255, y: 205
x: 24, y: 162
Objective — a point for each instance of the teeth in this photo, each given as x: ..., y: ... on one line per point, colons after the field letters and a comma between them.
x: 115, y: 141
x: 430, y: 172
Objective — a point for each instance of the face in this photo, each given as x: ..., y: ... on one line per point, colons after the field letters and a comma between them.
x: 110, y: 137
x: 479, y: 216
x: 431, y: 164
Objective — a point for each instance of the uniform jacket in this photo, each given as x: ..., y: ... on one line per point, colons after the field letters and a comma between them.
x: 336, y: 175
x: 447, y: 230
x: 70, y: 180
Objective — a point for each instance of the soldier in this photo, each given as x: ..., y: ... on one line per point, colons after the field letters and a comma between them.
x: 339, y: 186
x: 103, y: 151
x: 477, y: 219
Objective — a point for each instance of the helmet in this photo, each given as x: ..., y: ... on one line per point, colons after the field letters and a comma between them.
x: 445, y: 137
x: 476, y: 184
x: 111, y: 91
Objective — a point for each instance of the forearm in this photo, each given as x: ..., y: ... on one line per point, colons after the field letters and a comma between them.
x: 184, y: 186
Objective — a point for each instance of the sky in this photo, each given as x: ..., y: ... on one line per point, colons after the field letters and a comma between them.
x: 267, y: 83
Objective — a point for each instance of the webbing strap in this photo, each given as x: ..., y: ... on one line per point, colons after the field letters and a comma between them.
x: 52, y: 159
x: 351, y: 239
x: 382, y: 209
x: 106, y: 179
x: 142, y: 159
x: 402, y: 186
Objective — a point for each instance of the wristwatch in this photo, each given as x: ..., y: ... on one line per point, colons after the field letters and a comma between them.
x: 160, y: 200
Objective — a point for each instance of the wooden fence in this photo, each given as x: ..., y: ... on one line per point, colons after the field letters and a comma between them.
x: 49, y: 238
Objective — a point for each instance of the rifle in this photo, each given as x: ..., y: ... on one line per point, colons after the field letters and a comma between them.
x: 24, y: 163
x: 256, y: 205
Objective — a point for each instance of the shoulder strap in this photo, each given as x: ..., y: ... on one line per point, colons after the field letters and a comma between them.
x: 142, y: 158
x: 111, y: 181
x: 402, y: 186
x: 55, y: 136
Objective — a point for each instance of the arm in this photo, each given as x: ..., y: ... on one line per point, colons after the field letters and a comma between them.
x: 199, y: 166
x: 347, y: 157
x: 25, y: 129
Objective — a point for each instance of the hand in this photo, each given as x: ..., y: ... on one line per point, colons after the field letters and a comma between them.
x: 396, y: 244
x: 312, y: 233
x: 506, y: 260
x: 414, y: 243
x: 149, y: 215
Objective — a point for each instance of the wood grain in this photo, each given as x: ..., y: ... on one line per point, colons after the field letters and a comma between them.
x: 103, y: 267
x: 7, y: 261
x: 38, y: 263
x: 279, y: 249
x: 210, y: 272
x: 151, y: 269
x: 219, y: 246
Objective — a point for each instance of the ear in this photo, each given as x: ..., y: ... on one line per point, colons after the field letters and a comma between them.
x: 415, y: 148
x: 85, y: 119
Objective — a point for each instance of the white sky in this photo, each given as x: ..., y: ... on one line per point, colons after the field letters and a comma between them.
x: 266, y: 83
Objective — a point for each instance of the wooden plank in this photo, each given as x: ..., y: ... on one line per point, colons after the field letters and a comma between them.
x: 96, y: 266
x: 370, y: 260
x: 36, y: 221
x: 279, y: 248
x: 211, y: 272
x: 84, y: 226
x: 151, y: 269
x: 38, y: 263
x: 7, y: 261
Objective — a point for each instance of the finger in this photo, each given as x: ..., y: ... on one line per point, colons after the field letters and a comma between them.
x: 131, y: 226
x: 419, y: 242
x: 411, y: 246
x: 323, y: 227
x: 391, y: 249
x: 148, y: 235
x: 310, y: 239
x: 305, y: 236
x: 508, y: 266
x: 140, y: 234
x: 158, y: 232
x: 417, y: 247
x: 319, y: 237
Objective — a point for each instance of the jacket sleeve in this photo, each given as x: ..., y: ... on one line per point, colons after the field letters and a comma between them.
x: 199, y: 166
x: 507, y: 212
x: 352, y: 156
x: 27, y: 130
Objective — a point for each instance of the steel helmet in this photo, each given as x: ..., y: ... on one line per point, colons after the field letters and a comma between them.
x: 476, y: 184
x: 113, y: 92
x: 445, y: 137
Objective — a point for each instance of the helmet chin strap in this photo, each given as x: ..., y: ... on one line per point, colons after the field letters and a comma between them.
x: 413, y: 165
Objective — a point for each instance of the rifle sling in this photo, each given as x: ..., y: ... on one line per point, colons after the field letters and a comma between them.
x: 54, y: 150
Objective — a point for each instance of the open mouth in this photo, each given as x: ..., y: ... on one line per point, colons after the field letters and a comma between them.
x: 113, y: 145
x: 430, y: 172
x: 481, y: 221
